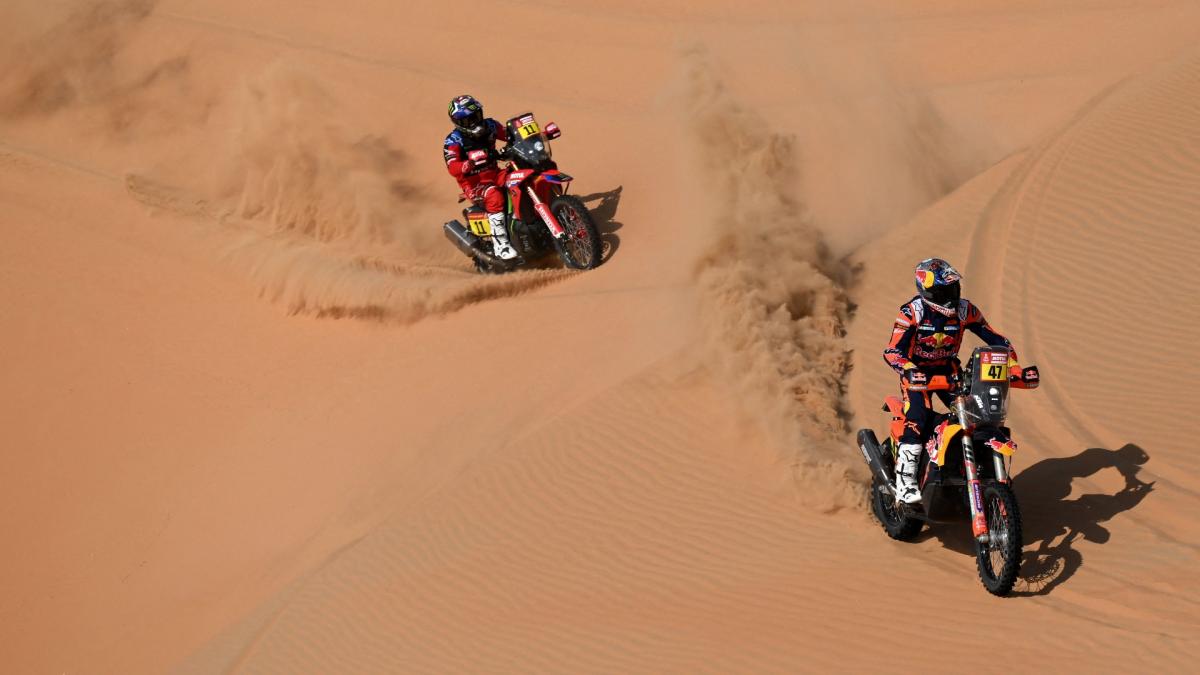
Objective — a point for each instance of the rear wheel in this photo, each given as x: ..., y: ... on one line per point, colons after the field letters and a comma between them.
x: 897, y: 525
x: 580, y: 249
x: 999, y: 560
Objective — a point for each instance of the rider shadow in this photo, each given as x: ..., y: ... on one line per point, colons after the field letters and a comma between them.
x: 1052, y: 522
x: 604, y: 213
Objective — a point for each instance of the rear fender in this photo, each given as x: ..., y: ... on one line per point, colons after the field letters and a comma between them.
x: 478, y: 223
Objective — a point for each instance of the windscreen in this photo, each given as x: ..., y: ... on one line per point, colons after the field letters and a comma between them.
x: 528, y: 144
x: 987, y: 393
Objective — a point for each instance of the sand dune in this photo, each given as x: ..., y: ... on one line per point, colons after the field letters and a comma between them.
x: 1056, y: 241
x: 262, y: 418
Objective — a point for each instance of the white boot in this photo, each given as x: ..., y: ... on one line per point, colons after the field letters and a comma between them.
x: 906, y: 473
x: 500, y: 244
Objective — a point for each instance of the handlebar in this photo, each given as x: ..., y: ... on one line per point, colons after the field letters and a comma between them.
x: 1028, y: 378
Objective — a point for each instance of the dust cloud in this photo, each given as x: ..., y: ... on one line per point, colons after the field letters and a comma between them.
x: 322, y: 212
x: 773, y: 304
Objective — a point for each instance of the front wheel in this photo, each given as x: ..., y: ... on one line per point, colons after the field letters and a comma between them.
x: 999, y: 560
x: 580, y: 248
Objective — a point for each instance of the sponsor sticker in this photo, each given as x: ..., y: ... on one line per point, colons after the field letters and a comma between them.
x: 1002, y: 447
x: 527, y: 126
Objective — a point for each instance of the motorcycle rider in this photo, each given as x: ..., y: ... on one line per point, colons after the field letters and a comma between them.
x: 470, y: 152
x: 925, y: 342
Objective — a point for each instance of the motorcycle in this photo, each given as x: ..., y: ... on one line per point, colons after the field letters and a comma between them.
x: 541, y: 217
x: 965, y: 466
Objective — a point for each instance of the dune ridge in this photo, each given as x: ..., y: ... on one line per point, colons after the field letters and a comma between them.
x: 646, y: 468
x: 1052, y: 234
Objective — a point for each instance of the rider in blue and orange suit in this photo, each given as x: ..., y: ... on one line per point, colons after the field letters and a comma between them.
x: 471, y: 158
x: 925, y: 342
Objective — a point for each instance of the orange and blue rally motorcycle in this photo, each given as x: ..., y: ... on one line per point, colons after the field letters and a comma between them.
x: 541, y: 218
x: 965, y: 468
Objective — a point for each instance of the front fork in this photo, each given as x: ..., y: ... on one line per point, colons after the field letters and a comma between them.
x: 556, y: 228
x: 979, y: 525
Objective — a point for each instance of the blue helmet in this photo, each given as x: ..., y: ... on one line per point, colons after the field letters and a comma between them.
x: 938, y: 285
x: 467, y: 115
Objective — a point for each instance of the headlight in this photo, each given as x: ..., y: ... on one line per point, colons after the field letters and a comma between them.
x: 540, y: 146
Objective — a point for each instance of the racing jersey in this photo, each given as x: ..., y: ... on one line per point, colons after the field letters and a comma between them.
x: 459, y: 145
x: 930, y: 340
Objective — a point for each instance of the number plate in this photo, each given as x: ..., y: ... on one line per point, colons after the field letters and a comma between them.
x: 528, y: 127
x: 994, y: 366
x: 479, y: 225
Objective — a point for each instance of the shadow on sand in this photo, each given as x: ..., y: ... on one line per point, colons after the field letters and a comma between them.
x: 1052, y: 522
x: 603, y: 207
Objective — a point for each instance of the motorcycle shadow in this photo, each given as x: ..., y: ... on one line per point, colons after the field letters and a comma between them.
x: 1052, y: 523
x: 604, y: 213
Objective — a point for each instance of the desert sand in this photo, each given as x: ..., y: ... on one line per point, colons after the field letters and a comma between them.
x: 259, y: 416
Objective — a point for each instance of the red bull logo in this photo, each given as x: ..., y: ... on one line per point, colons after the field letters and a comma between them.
x: 1005, y: 447
x: 936, y: 341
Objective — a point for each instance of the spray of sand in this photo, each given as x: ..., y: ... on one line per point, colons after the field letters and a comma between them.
x: 326, y: 219
x: 776, y: 293
x: 80, y: 64
x: 773, y: 304
x: 317, y: 208
x: 876, y: 149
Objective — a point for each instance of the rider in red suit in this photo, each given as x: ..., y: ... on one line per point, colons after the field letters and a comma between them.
x: 925, y: 342
x: 470, y: 151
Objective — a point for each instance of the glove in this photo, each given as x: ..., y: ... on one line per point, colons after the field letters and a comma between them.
x: 1031, y: 377
x: 476, y: 160
x: 914, y: 376
x: 467, y: 167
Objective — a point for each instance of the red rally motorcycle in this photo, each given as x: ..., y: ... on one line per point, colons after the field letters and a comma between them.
x: 541, y: 217
x: 965, y: 466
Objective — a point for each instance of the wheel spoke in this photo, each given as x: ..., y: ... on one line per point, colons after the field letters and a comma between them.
x: 578, y: 235
x: 997, y: 554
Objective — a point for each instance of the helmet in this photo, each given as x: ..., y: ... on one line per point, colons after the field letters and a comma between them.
x: 467, y: 115
x: 937, y: 284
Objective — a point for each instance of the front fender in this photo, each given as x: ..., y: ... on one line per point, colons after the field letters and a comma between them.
x: 945, y: 434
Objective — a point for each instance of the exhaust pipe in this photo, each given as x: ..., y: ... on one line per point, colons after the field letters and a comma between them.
x: 868, y: 444
x: 465, y: 241
x: 474, y: 248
